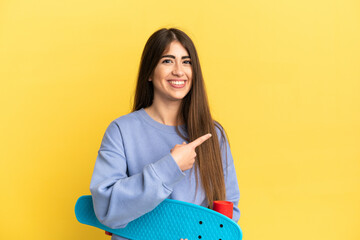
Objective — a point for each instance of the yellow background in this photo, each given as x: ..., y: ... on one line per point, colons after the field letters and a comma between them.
x: 283, y: 77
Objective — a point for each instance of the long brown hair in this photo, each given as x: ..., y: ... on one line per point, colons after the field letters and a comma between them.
x: 194, y: 110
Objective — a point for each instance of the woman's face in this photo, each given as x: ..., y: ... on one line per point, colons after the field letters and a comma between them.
x: 172, y: 75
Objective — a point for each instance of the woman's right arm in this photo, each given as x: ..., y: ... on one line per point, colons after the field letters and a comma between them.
x: 119, y: 198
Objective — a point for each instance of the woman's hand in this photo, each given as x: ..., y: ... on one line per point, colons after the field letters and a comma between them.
x: 184, y: 154
x: 183, y: 239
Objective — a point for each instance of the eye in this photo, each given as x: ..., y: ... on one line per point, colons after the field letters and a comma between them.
x: 167, y: 61
x: 187, y: 62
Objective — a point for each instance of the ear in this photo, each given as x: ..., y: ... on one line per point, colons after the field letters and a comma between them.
x: 151, y: 77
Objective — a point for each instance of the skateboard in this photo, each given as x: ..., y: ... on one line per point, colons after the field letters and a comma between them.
x: 171, y: 219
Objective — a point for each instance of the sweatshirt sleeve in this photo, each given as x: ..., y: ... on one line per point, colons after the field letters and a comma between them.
x: 231, y: 182
x: 118, y: 198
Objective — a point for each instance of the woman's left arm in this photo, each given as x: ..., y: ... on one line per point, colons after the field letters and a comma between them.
x: 231, y: 182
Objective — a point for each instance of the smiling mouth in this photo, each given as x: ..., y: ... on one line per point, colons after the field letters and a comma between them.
x: 177, y: 83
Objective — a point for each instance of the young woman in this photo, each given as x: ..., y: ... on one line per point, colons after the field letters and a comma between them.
x: 168, y: 146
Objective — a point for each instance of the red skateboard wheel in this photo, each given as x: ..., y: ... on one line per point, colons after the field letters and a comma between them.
x: 224, y: 207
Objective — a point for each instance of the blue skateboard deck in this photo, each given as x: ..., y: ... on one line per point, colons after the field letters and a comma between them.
x: 170, y: 220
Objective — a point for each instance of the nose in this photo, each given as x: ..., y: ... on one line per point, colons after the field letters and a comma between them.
x: 177, y: 70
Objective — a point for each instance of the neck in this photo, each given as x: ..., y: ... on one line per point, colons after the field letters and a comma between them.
x: 165, y: 113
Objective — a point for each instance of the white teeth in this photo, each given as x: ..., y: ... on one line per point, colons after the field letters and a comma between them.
x: 177, y: 82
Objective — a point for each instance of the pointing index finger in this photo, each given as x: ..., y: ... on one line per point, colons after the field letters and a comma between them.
x: 197, y: 142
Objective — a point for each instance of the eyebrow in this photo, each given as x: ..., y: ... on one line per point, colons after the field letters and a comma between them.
x: 172, y: 56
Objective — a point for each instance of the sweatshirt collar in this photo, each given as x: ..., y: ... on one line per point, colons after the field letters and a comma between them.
x: 160, y: 126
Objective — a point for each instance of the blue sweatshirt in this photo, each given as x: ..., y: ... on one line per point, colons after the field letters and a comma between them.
x: 134, y: 171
